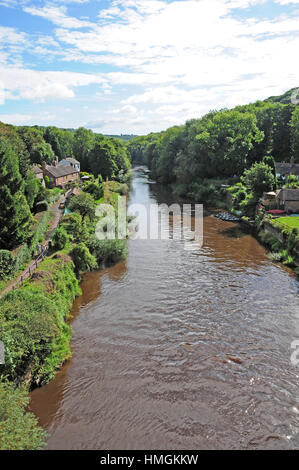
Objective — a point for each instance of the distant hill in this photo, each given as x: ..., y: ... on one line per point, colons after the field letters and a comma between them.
x: 124, y: 137
x: 286, y: 97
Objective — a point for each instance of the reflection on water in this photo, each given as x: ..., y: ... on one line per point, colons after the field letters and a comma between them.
x: 176, y: 349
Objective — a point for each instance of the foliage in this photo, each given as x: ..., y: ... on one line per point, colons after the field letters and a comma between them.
x: 292, y: 182
x: 19, y: 429
x: 258, y: 179
x: 95, y: 189
x: 108, y: 251
x: 33, y: 323
x: 7, y: 264
x: 83, y: 259
x: 72, y: 223
x: 59, y: 238
x: 294, y: 125
x: 223, y: 143
x: 84, y: 204
x: 15, y: 216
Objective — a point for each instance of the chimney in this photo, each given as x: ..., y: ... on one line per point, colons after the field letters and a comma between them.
x: 55, y: 162
x: 44, y: 166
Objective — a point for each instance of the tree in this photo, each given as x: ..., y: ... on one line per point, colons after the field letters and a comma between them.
x: 15, y: 217
x: 258, y: 179
x: 269, y: 160
x: 39, y: 151
x: 31, y: 188
x: 83, y: 143
x: 84, y: 204
x: 60, y: 238
x: 9, y: 134
x: 295, y: 134
x: 101, y: 158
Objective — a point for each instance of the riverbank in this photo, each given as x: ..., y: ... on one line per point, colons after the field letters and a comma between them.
x: 34, y: 318
x: 279, y: 238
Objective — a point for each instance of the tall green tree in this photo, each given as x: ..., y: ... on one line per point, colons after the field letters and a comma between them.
x: 102, y: 158
x: 83, y: 143
x: 15, y: 217
x: 258, y: 179
x: 295, y: 134
x: 269, y: 160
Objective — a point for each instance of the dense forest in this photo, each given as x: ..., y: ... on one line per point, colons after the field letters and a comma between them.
x: 220, y: 145
x: 21, y: 192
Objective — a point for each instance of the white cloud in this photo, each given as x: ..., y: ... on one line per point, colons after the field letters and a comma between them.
x: 38, y: 86
x: 15, y: 119
x: 58, y: 16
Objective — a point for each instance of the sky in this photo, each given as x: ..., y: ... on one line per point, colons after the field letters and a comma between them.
x: 140, y: 66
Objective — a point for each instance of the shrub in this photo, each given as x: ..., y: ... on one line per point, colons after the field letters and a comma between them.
x: 83, y: 259
x: 289, y: 261
x: 19, y: 429
x: 275, y: 257
x: 71, y: 223
x: 108, y: 251
x: 96, y: 190
x: 7, y: 264
x: 47, y: 181
x: 60, y: 238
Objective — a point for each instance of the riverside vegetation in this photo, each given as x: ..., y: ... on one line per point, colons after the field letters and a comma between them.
x: 34, y: 318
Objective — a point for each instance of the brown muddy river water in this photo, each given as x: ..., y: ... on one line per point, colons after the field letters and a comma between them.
x: 177, y: 349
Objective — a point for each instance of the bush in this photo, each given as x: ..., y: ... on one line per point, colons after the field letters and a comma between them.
x: 83, y: 259
x: 60, y: 238
x: 96, y: 190
x: 72, y: 223
x: 7, y: 265
x: 19, y: 429
x: 108, y: 251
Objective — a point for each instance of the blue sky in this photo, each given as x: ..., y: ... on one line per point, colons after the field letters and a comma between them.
x: 137, y: 66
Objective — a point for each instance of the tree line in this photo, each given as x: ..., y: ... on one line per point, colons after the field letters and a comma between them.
x: 220, y: 145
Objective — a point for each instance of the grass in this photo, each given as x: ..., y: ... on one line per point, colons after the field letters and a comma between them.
x: 288, y: 222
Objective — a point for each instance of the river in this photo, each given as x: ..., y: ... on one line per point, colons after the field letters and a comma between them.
x: 180, y: 349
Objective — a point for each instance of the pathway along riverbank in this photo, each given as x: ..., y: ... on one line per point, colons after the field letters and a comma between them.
x: 175, y: 349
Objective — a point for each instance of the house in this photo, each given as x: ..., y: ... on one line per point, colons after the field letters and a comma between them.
x: 58, y: 175
x: 289, y: 200
x: 38, y: 173
x: 285, y: 169
x: 70, y: 162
